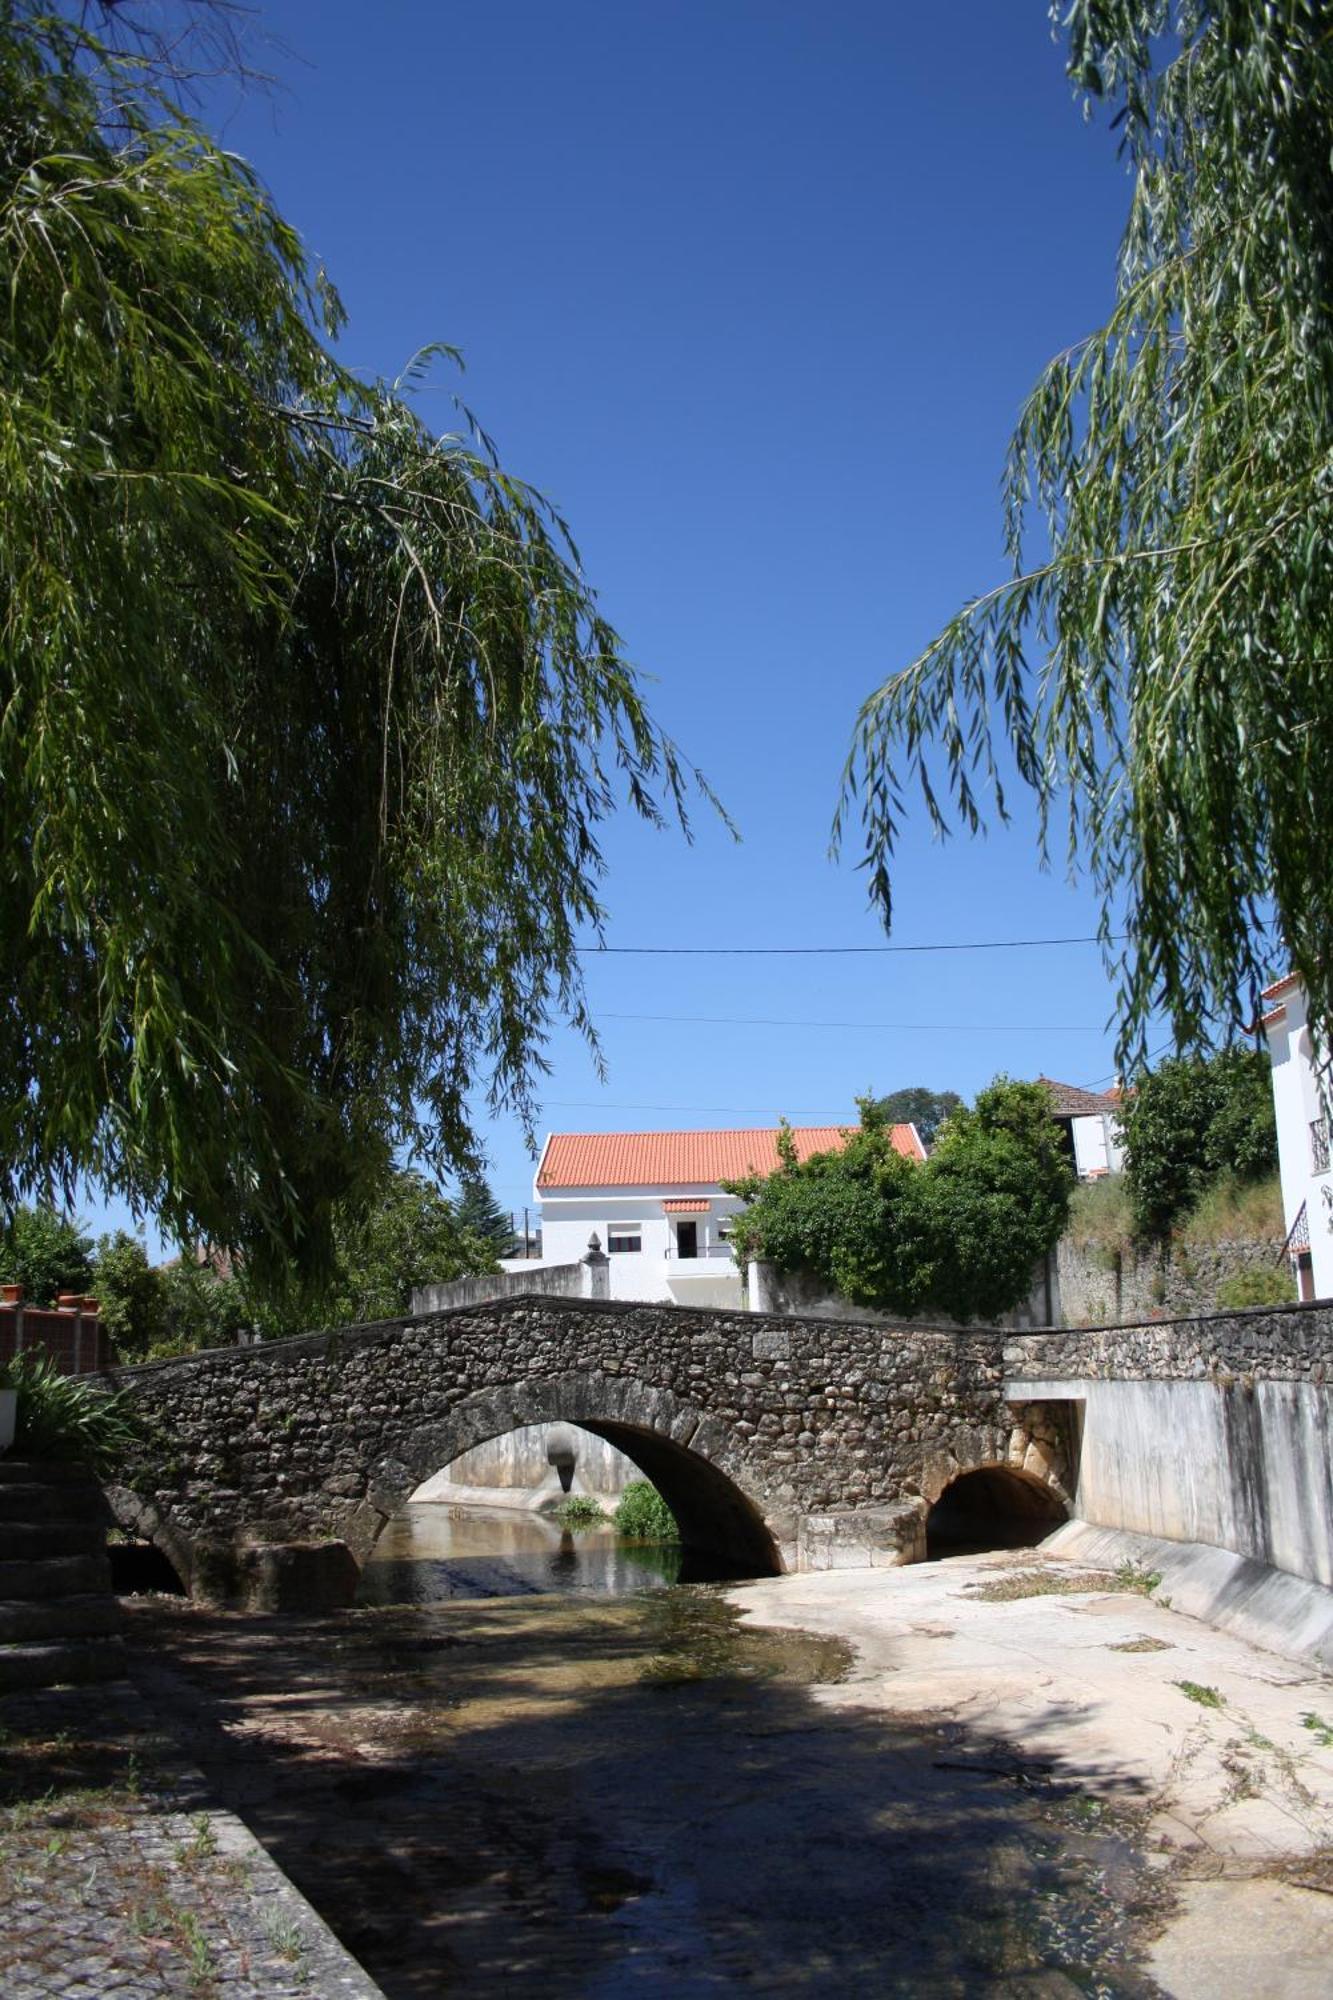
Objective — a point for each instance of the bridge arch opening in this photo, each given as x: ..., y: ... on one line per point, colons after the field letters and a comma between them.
x: 991, y: 1507
x: 533, y: 1467
x: 714, y: 1517
x: 667, y: 1443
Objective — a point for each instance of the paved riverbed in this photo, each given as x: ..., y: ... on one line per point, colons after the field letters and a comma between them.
x: 1002, y: 1775
x: 940, y: 1785
x: 1225, y: 1751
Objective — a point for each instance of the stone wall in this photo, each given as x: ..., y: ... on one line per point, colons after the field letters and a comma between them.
x: 1273, y: 1343
x: 746, y: 1423
x: 1202, y: 1430
x: 1104, y: 1284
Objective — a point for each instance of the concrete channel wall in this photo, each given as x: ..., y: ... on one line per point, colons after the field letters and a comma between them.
x: 1211, y: 1430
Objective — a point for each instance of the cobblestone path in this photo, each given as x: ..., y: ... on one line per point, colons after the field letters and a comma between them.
x: 121, y: 1878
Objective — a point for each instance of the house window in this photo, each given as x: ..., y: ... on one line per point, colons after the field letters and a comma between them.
x: 1319, y: 1145
x: 622, y: 1237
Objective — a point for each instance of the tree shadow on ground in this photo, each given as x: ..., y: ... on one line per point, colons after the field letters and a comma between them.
x: 642, y: 1797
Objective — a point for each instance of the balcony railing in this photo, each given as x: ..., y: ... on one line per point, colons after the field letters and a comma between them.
x: 1319, y: 1145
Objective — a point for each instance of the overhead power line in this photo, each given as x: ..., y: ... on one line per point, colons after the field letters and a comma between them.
x: 826, y: 950
x: 870, y: 1027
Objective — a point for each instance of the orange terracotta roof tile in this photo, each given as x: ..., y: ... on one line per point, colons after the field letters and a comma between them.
x: 675, y: 1159
x: 1282, y: 985
x: 690, y: 1205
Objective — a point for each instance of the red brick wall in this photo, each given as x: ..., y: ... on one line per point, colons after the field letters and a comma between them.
x: 76, y: 1342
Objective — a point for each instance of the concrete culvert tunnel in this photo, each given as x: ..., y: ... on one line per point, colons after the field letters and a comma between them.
x: 992, y: 1508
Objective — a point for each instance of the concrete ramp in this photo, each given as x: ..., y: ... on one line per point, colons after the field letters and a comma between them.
x: 1269, y: 1608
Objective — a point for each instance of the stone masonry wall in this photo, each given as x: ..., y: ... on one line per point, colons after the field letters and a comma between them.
x: 1273, y: 1343
x: 325, y: 1435
x: 1101, y: 1283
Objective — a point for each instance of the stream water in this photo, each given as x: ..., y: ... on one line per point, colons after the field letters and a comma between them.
x: 431, y: 1552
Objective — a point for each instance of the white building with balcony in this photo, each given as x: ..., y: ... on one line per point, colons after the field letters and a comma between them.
x: 1300, y: 1103
x: 655, y: 1202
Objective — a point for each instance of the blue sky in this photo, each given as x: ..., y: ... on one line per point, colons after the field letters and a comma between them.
x: 754, y: 292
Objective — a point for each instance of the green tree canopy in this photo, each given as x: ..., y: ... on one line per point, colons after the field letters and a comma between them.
x: 958, y: 1234
x: 308, y: 718
x: 47, y: 1253
x: 410, y: 1235
x: 915, y: 1105
x: 1158, y: 665
x: 479, y: 1211
x: 1190, y: 1122
x: 131, y: 1294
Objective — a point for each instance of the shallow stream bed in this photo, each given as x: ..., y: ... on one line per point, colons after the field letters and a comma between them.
x: 638, y: 1796
x: 432, y: 1552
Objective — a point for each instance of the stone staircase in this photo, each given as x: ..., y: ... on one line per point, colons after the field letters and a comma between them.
x: 58, y: 1619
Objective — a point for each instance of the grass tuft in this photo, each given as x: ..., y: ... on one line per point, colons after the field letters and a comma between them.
x: 1206, y: 1697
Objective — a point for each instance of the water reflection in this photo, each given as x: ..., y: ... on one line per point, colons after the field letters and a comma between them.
x: 430, y: 1552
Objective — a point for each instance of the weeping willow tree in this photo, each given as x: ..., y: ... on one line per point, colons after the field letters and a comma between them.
x: 308, y: 718
x: 1159, y: 665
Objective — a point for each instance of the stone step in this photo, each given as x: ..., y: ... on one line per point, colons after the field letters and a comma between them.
x: 33, y: 1500
x: 43, y: 1472
x: 39, y: 1541
x: 81, y: 1617
x: 62, y: 1663
x: 62, y: 1576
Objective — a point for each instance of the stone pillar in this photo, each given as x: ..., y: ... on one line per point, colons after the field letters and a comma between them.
x: 598, y: 1264
x: 761, y: 1287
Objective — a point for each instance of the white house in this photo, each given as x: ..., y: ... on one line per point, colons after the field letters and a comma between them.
x: 655, y: 1202
x: 1300, y: 1105
x: 1090, y: 1119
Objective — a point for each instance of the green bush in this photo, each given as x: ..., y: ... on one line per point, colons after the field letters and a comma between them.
x: 59, y: 1416
x: 1190, y: 1124
x: 643, y: 1515
x: 580, y: 1510
x: 956, y: 1234
x: 1260, y: 1285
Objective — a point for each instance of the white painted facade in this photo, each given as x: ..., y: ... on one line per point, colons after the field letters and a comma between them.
x: 1301, y: 1110
x: 654, y: 1252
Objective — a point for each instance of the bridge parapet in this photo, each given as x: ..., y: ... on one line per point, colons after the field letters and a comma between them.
x: 1275, y: 1343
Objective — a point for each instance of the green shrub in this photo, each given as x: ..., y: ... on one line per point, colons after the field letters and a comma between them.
x: 1260, y: 1285
x: 643, y: 1515
x: 580, y: 1510
x: 957, y: 1234
x: 1191, y: 1123
x: 59, y: 1416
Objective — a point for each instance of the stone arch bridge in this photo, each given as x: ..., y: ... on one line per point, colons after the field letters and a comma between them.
x: 778, y: 1442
